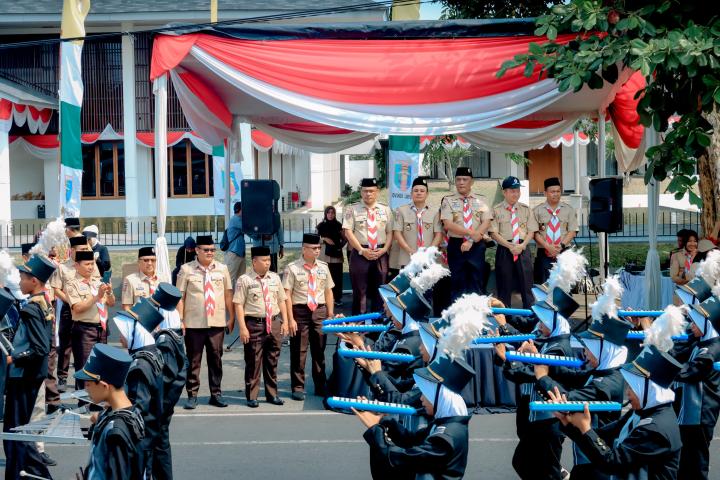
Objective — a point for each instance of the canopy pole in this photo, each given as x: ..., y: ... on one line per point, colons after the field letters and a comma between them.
x: 653, y: 277
x: 576, y: 160
x: 230, y: 158
x: 161, y: 171
x: 5, y: 209
x: 602, y: 161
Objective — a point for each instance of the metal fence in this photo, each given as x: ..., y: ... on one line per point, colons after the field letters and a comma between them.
x: 124, y: 233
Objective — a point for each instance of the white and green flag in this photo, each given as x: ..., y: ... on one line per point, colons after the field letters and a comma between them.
x: 71, y: 94
x: 403, y: 168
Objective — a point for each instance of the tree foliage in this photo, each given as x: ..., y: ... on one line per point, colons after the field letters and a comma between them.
x: 442, y: 152
x: 495, y: 8
x: 675, y: 44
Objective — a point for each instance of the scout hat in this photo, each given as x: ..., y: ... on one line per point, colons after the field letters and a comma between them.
x: 39, y: 267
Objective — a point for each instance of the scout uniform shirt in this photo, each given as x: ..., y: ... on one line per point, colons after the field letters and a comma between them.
x: 295, y: 279
x: 356, y: 217
x: 65, y: 272
x: 566, y: 215
x: 137, y: 285
x: 249, y: 293
x: 191, y: 283
x: 452, y: 209
x: 405, y: 221
x: 501, y: 220
x: 78, y: 290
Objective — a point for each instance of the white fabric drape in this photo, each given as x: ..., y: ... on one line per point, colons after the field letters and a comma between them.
x: 5, y: 214
x: 628, y: 159
x: 161, y: 249
x: 515, y: 140
x: 198, y: 116
x: 653, y: 276
x: 315, y: 143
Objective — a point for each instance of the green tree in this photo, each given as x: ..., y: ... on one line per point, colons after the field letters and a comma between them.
x: 442, y: 153
x: 676, y: 45
x: 494, y: 8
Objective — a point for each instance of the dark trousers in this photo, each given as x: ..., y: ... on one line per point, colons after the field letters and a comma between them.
x: 695, y: 453
x: 211, y: 339
x: 274, y: 262
x: 64, y: 347
x: 538, y: 452
x: 21, y: 396
x: 467, y: 269
x: 543, y: 264
x: 309, y: 331
x: 510, y: 274
x: 366, y: 277
x: 162, y: 455
x: 262, y: 353
x: 336, y: 272
x: 84, y: 338
x: 52, y: 395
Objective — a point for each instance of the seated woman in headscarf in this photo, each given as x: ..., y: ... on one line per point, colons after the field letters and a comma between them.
x: 682, y: 264
x: 438, y: 451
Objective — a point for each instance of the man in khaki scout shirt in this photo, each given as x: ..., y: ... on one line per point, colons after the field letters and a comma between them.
x: 89, y: 301
x: 557, y: 227
x: 512, y: 228
x: 467, y: 219
x: 142, y: 283
x: 206, y: 309
x: 368, y: 228
x: 308, y: 287
x: 262, y: 315
x: 58, y: 283
x: 416, y: 217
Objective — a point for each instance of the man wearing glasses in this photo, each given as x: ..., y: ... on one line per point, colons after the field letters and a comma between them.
x: 308, y: 288
x: 142, y: 283
x: 206, y: 309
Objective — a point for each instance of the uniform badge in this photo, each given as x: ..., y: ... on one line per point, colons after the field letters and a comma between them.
x: 408, y: 227
x: 428, y: 225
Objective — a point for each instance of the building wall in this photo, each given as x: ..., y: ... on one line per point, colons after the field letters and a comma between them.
x: 324, y: 179
x: 356, y: 170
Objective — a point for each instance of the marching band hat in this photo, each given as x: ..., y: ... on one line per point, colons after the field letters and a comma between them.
x: 166, y: 296
x: 707, y: 311
x: 654, y: 365
x: 39, y: 267
x: 107, y: 364
x: 413, y: 303
x: 368, y: 182
x: 259, y: 252
x: 146, y: 314
x: 611, y: 329
x: 146, y: 252
x: 453, y: 374
x: 25, y: 248
x: 397, y: 285
x: 562, y: 303
x: 695, y: 291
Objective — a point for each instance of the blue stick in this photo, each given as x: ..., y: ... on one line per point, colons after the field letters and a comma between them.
x: 354, y: 328
x: 716, y: 366
x: 504, y: 339
x: 371, y: 406
x: 354, y: 318
x: 575, y: 407
x: 383, y: 356
x: 521, y: 312
x: 640, y: 335
x: 640, y: 313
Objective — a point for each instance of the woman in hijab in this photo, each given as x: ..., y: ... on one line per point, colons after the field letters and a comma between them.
x: 438, y: 451
x: 645, y: 442
x: 697, y: 387
x: 185, y: 254
x: 331, y: 233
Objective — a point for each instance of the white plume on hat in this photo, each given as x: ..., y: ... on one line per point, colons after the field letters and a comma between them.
x: 420, y: 260
x: 671, y: 322
x: 606, y: 304
x: 568, y: 270
x: 10, y: 275
x: 709, y: 270
x: 425, y: 280
x: 52, y: 236
x: 469, y: 319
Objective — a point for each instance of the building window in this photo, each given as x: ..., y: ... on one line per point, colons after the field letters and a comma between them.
x: 477, y: 159
x: 103, y: 171
x: 190, y: 171
x: 611, y: 166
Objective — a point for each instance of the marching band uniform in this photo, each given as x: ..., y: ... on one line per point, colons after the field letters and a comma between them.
x: 260, y: 298
x: 698, y: 388
x: 467, y: 269
x: 144, y: 382
x: 116, y: 435
x: 28, y: 370
x: 371, y: 225
x: 513, y: 224
x: 138, y: 285
x: 307, y: 286
x: 554, y: 224
x: 169, y: 341
x: 644, y: 443
x: 438, y: 451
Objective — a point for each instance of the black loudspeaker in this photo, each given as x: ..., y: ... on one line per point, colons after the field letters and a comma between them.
x: 606, y: 205
x: 260, y: 206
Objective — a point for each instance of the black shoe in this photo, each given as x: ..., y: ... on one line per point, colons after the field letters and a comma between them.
x: 191, y: 403
x: 217, y: 401
x: 253, y: 403
x: 276, y: 400
x: 62, y: 386
x: 47, y: 460
x: 299, y: 396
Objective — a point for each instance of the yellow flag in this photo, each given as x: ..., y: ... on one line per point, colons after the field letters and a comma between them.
x: 405, y: 10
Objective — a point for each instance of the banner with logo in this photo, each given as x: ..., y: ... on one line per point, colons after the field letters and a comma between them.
x: 403, y: 167
x: 220, y: 180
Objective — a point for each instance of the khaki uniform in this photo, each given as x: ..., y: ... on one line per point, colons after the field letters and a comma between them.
x: 203, y: 332
x: 86, y: 329
x: 136, y: 286
x: 263, y: 350
x: 468, y: 270
x: 508, y: 270
x: 405, y: 221
x: 568, y: 223
x: 366, y: 276
x: 309, y: 323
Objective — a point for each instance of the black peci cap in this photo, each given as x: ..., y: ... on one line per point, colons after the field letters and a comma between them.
x: 368, y: 182
x: 146, y: 252
x: 106, y: 364
x: 259, y: 252
x: 72, y: 222
x: 84, y: 255
x: 204, y: 240
x: 552, y: 182
x: 421, y: 181
x: 463, y: 172
x: 311, y: 238
x: 78, y: 241
x: 39, y: 267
